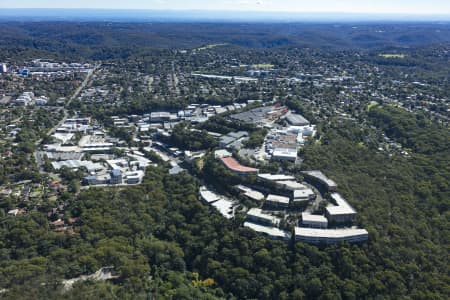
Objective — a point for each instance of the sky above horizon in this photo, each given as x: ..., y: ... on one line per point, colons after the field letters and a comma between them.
x: 441, y: 7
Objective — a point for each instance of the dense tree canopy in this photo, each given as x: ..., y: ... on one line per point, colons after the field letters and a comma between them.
x: 163, y: 242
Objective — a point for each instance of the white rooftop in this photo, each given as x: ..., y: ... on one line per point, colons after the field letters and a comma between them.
x: 307, y: 217
x: 277, y: 177
x: 306, y: 193
x: 278, y: 199
x: 291, y: 185
x: 75, y: 164
x: 225, y: 207
x: 208, y: 196
x: 221, y: 153
x: 329, y: 233
x: 285, y: 152
x: 270, y: 231
x: 342, y: 207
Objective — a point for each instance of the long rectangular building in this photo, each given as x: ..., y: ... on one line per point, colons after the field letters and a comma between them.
x: 330, y: 236
x: 266, y: 177
x: 269, y: 231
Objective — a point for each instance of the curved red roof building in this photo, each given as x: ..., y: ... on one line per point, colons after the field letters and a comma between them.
x: 234, y: 166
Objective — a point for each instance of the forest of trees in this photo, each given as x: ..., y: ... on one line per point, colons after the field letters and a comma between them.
x: 165, y: 244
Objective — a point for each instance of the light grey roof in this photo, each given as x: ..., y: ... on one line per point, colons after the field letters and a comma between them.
x: 341, y: 208
x: 320, y: 176
x: 330, y: 233
x: 297, y: 120
x: 269, y: 230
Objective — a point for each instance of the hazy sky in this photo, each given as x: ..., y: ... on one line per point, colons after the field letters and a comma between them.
x: 351, y: 6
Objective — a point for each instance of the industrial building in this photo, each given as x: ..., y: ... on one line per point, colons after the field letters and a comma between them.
x: 330, y: 236
x: 233, y: 139
x: 296, y: 120
x: 76, y: 164
x: 289, y: 154
x: 260, y: 115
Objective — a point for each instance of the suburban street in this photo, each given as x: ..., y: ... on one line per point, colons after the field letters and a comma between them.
x: 37, y: 154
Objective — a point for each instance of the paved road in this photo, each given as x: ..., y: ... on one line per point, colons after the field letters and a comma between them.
x: 37, y: 154
x: 74, y: 96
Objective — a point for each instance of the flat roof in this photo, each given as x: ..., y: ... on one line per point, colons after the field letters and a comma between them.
x: 303, y: 193
x: 291, y: 185
x: 268, y: 230
x: 319, y: 175
x: 251, y: 193
x: 307, y: 217
x: 276, y: 177
x: 225, y: 207
x: 278, y: 198
x: 329, y: 233
x: 341, y: 208
x: 75, y: 164
x: 296, y: 119
x: 258, y: 213
x: 235, y: 166
x: 116, y: 172
x: 285, y: 152
x: 208, y: 196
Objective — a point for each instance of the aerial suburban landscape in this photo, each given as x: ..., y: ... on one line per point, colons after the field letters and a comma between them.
x: 162, y: 155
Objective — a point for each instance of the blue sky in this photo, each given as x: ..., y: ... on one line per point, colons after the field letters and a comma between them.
x: 351, y: 6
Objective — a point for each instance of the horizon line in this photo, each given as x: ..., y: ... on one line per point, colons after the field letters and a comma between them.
x: 230, y: 10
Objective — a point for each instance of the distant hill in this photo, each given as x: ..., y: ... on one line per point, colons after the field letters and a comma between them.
x: 87, y: 35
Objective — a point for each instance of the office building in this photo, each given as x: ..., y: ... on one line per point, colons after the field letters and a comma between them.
x: 269, y: 231
x: 277, y: 201
x: 314, y: 221
x: 256, y: 215
x: 330, y: 236
x: 116, y: 176
x: 340, y: 212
